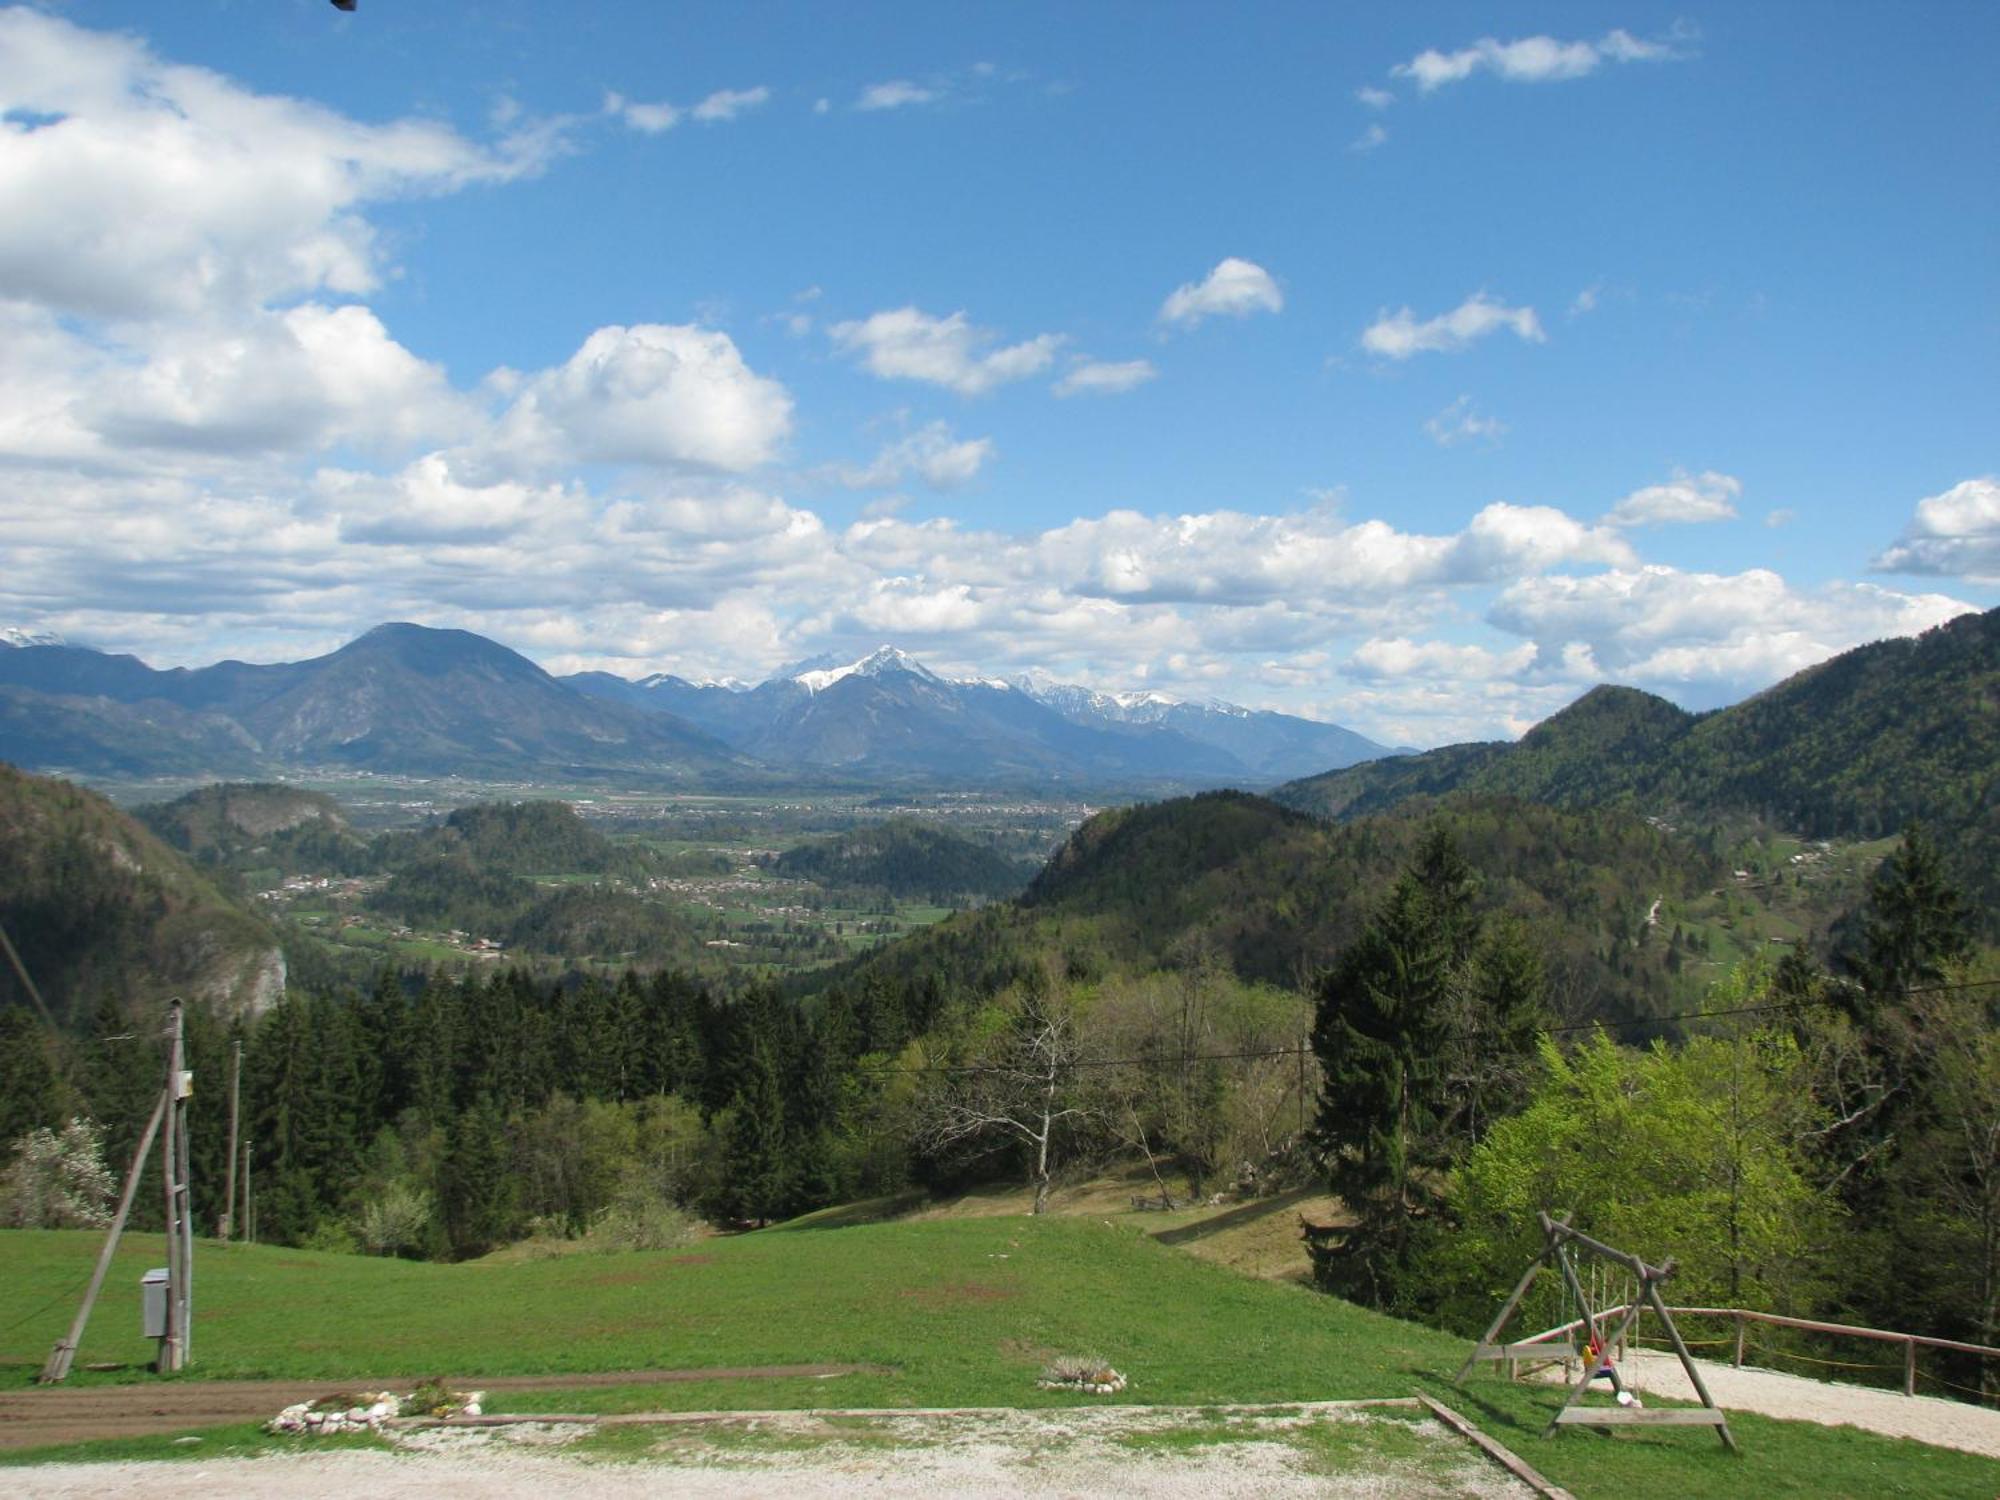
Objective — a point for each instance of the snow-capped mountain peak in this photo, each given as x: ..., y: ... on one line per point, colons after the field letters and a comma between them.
x: 878, y: 663
x: 16, y: 635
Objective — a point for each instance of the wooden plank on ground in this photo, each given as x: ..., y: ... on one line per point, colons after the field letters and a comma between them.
x: 1499, y: 1453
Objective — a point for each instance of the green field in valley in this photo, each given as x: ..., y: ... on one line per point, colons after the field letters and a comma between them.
x: 954, y: 1312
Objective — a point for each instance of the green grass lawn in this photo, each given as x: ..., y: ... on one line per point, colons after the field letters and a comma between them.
x: 959, y: 1312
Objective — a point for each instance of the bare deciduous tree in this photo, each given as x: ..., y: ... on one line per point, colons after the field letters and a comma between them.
x: 1025, y: 1086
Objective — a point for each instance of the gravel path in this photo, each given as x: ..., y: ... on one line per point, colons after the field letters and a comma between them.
x: 1928, y: 1419
x: 1036, y: 1454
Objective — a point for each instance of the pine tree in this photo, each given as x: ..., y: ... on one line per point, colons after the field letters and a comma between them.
x: 757, y: 1174
x: 1420, y: 1028
x: 476, y: 1184
x: 1916, y: 922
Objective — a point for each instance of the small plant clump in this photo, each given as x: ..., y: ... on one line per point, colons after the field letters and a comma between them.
x: 1070, y: 1372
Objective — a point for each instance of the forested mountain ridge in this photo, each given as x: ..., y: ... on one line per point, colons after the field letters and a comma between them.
x: 1274, y: 896
x: 233, y: 823
x: 102, y: 911
x: 1856, y: 747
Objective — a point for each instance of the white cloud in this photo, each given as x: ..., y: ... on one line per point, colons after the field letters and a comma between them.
x: 1092, y: 377
x: 895, y: 94
x: 647, y: 119
x: 1534, y: 59
x: 1399, y: 335
x: 1461, y: 422
x: 1952, y: 535
x: 909, y: 344
x: 244, y: 197
x: 275, y: 382
x: 1370, y: 139
x: 1706, y: 636
x: 934, y: 454
x: 651, y: 394
x: 1585, y: 302
x: 1235, y: 288
x: 727, y: 104
x: 1685, y: 499
x: 1399, y: 657
x: 1374, y: 98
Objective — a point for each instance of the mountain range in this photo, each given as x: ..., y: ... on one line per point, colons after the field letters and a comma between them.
x: 409, y: 699
x: 887, y: 712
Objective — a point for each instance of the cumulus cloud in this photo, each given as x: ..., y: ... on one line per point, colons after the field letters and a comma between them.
x: 244, y: 197
x: 1374, y: 98
x: 651, y: 394
x: 1686, y: 498
x: 1461, y: 422
x: 896, y: 94
x: 1092, y: 377
x: 1399, y: 335
x: 1952, y: 535
x: 1534, y: 59
x: 1235, y: 288
x: 1709, y: 636
x: 727, y: 104
x: 933, y: 454
x: 1371, y: 138
x: 909, y: 344
x: 276, y: 382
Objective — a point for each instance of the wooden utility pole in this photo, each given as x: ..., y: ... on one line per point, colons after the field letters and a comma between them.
x: 229, y: 1171
x: 169, y: 1123
x: 173, y: 1176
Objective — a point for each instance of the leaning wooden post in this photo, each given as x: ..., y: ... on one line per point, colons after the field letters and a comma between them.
x: 1909, y: 1367
x: 1742, y: 1327
x: 64, y: 1353
x: 1506, y: 1308
x: 1687, y: 1359
x: 229, y: 1192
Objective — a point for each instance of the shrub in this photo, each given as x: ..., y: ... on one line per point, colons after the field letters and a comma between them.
x: 58, y: 1180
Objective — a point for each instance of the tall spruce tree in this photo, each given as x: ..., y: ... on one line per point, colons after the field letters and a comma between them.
x: 1422, y: 986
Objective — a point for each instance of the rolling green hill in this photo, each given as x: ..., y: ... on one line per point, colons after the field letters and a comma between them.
x: 1275, y: 895
x: 1856, y: 747
x: 906, y: 858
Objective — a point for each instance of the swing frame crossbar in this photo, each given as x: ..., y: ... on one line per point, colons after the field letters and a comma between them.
x: 1560, y: 1241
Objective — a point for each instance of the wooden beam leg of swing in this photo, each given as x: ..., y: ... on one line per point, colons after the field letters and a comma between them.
x: 1687, y: 1363
x: 1506, y: 1312
x: 1590, y: 1319
x: 60, y: 1357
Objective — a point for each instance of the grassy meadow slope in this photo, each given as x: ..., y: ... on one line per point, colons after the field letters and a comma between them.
x: 955, y: 1311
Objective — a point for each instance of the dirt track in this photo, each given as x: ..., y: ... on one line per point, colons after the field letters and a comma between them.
x: 64, y: 1414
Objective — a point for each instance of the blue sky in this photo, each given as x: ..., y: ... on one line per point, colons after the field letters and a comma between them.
x: 1413, y: 367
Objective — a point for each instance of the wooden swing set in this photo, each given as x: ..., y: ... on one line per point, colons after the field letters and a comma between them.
x: 1605, y: 1329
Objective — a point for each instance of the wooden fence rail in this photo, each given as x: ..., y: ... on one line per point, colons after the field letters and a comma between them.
x: 1742, y: 1317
